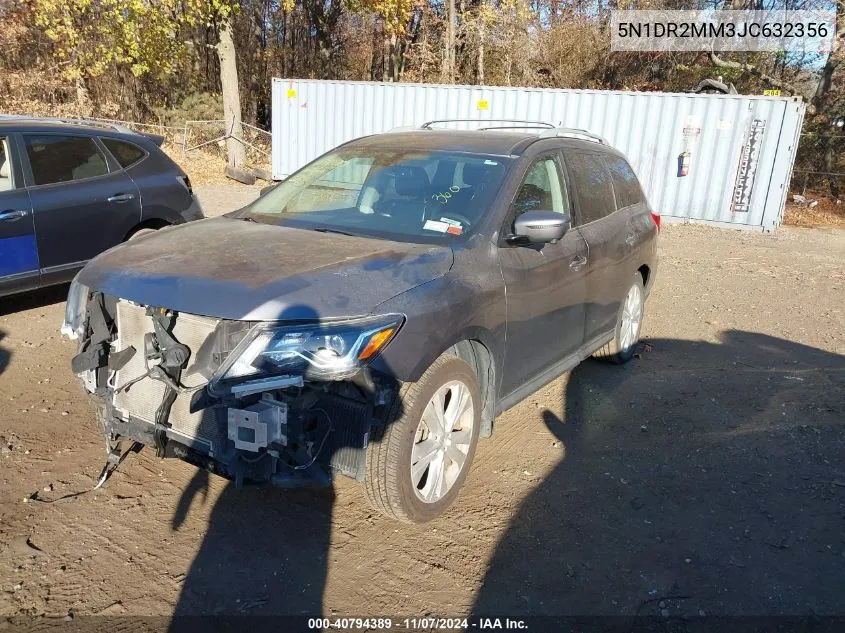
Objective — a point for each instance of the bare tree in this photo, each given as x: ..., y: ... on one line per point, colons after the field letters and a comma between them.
x: 235, y: 154
x: 449, y: 56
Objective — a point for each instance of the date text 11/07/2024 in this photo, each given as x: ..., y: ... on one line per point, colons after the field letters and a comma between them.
x: 425, y: 624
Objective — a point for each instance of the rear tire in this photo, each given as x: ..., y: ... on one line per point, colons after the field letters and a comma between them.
x: 141, y: 232
x: 440, y: 447
x: 629, y: 320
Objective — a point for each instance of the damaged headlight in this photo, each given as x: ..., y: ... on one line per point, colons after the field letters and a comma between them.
x: 322, y: 351
x: 75, y: 310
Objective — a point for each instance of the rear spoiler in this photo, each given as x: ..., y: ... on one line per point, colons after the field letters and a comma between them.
x: 155, y: 138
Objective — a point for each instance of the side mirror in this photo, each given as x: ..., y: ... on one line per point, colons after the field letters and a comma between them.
x: 539, y: 227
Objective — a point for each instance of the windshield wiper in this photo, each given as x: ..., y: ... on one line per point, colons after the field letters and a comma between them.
x: 322, y: 229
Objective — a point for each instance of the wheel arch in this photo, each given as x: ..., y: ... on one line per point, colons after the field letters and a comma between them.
x: 477, y: 346
x: 476, y: 354
x: 645, y: 273
x: 152, y: 223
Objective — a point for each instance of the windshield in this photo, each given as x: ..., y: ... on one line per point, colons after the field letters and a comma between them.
x: 404, y: 195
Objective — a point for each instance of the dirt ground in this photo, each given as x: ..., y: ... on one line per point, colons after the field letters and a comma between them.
x: 704, y: 477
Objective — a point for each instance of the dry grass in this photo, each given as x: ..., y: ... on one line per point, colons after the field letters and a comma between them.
x: 826, y: 214
x: 204, y: 167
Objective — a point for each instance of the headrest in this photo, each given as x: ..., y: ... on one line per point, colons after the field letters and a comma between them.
x: 445, y: 174
x: 473, y: 173
x: 4, y: 167
x: 411, y: 180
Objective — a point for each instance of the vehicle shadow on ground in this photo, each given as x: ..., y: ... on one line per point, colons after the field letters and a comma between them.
x: 5, y: 355
x: 266, y: 549
x: 33, y: 299
x: 700, y: 478
x: 265, y: 552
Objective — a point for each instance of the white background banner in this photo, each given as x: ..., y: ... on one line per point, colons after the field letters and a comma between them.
x: 794, y: 31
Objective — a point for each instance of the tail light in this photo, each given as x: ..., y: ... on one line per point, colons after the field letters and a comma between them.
x: 656, y: 219
x: 186, y: 182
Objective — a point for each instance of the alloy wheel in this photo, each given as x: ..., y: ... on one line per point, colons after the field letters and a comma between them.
x: 442, y: 441
x: 632, y: 314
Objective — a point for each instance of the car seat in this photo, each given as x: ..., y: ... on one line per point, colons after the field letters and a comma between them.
x: 411, y: 188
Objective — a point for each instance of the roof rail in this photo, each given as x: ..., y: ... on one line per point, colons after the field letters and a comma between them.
x: 70, y: 121
x: 574, y: 132
x: 519, y: 123
x: 548, y: 129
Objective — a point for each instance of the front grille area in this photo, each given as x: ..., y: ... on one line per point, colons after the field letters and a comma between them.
x: 143, y: 398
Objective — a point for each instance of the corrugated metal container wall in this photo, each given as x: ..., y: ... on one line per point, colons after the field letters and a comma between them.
x: 740, y: 150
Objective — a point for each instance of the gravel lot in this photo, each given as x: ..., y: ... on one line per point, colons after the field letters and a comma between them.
x: 704, y: 477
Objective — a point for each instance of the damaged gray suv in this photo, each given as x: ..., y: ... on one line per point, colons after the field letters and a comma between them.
x: 372, y: 314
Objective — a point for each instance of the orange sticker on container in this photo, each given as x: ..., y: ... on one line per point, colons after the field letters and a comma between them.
x: 455, y: 230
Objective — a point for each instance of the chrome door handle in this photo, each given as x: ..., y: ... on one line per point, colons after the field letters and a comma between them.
x: 578, y: 262
x: 121, y: 197
x: 13, y: 214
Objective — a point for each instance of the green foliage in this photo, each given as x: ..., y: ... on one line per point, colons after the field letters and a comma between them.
x: 395, y: 13
x: 90, y: 36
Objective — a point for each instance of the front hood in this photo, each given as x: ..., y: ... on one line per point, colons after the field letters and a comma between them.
x: 233, y: 269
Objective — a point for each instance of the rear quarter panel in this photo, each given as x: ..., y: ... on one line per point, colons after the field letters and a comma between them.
x: 163, y: 197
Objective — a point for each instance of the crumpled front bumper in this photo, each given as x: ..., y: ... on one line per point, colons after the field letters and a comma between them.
x: 295, y: 434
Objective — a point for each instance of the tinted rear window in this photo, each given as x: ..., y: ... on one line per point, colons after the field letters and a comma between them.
x: 56, y: 158
x: 591, y: 182
x: 126, y: 153
x: 625, y: 183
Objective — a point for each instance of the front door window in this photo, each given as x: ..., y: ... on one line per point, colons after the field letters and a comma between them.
x: 542, y: 189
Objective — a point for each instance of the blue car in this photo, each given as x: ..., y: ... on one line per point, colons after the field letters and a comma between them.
x: 69, y: 191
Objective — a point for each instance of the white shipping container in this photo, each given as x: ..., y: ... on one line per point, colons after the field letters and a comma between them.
x: 738, y: 150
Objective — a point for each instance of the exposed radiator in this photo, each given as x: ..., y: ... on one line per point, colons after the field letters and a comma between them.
x: 143, y: 398
x: 349, y: 435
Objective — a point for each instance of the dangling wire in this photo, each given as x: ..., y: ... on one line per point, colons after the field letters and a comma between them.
x: 107, y: 472
x: 319, y: 450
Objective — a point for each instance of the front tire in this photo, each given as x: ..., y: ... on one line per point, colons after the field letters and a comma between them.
x: 419, y: 457
x: 629, y: 320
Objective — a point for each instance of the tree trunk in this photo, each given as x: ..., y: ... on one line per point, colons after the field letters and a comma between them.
x: 385, y: 57
x: 482, y: 36
x: 235, y: 154
x: 835, y: 59
x: 449, y: 61
x: 374, y: 55
x: 83, y: 99
x: 394, y: 57
x: 830, y: 83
